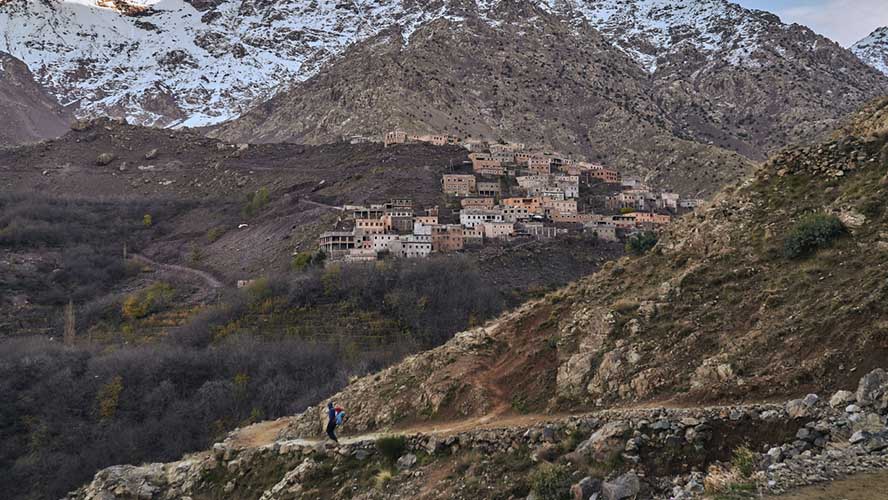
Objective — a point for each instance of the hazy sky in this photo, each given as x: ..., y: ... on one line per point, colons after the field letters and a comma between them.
x: 844, y: 21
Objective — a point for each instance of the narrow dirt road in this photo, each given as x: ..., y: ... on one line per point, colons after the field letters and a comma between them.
x: 322, y: 205
x: 208, y: 278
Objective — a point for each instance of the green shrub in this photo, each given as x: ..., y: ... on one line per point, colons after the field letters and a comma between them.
x: 150, y: 300
x: 812, y: 232
x: 303, y: 260
x: 551, y: 482
x: 215, y: 233
x: 640, y: 243
x: 391, y: 447
x: 744, y: 461
x: 256, y: 202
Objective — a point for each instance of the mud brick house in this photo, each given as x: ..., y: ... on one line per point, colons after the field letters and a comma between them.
x: 448, y: 238
x: 572, y: 218
x: 539, y: 165
x: 472, y: 217
x: 602, y: 230
x: 604, y: 174
x: 395, y: 137
x: 488, y: 189
x: 380, y: 242
x: 473, y: 236
x: 651, y: 218
x: 336, y: 244
x: 570, y: 184
x: 636, y: 199
x: 477, y: 202
x: 668, y: 201
x: 360, y: 255
x: 360, y: 212
x: 538, y: 230
x: 515, y: 214
x: 459, y: 184
x: 401, y: 222
x: 498, y: 230
x: 411, y: 246
x: 369, y: 226
x: 488, y: 167
x: 532, y: 205
x: 510, y: 147
x: 551, y: 206
x: 522, y: 157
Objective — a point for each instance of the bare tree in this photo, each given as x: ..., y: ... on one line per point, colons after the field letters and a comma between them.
x: 70, y: 331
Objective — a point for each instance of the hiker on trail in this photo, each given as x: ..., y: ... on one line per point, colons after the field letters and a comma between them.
x: 331, y: 421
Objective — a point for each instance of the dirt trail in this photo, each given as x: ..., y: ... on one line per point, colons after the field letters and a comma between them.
x: 322, y: 205
x: 208, y: 278
x: 870, y: 486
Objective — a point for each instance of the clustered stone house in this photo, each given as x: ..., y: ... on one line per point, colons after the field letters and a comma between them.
x: 396, y: 228
x: 510, y: 192
x: 549, y: 186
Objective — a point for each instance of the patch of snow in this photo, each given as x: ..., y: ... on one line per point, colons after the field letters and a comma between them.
x: 873, y: 50
x: 649, y: 30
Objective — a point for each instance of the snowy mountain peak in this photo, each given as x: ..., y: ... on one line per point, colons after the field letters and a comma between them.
x: 873, y: 49
x: 175, y: 62
x: 650, y: 30
x: 201, y: 62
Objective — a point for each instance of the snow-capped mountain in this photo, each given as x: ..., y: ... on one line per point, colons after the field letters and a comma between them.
x: 873, y: 49
x: 176, y: 62
x: 649, y: 30
x: 202, y: 62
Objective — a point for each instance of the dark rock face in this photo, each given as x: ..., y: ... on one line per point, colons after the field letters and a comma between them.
x: 29, y: 113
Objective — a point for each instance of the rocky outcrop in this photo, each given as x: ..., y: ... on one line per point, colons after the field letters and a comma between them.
x: 29, y: 112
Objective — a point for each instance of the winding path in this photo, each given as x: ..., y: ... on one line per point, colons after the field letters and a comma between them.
x: 210, y: 280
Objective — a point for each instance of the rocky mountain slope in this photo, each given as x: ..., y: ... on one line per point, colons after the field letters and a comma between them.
x: 29, y: 113
x: 774, y: 290
x: 664, y: 89
x: 873, y: 49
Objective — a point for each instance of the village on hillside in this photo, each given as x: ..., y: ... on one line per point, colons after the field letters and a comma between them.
x: 504, y: 192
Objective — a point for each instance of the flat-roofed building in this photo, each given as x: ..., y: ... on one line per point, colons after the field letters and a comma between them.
x: 459, y: 184
x: 472, y: 217
x: 477, y: 203
x: 488, y: 188
x: 498, y: 230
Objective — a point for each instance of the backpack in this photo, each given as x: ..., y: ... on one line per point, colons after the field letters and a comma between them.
x: 340, y: 417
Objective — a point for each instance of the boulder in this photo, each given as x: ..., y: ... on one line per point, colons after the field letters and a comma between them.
x: 80, y: 125
x: 869, y: 422
x: 585, y: 488
x: 407, y: 461
x: 605, y: 441
x: 150, y: 155
x: 872, y: 387
x: 625, y: 486
x: 104, y: 159
x: 877, y: 442
x: 800, y: 408
x: 841, y: 398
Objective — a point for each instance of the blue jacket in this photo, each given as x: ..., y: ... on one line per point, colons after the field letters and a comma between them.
x: 331, y: 414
